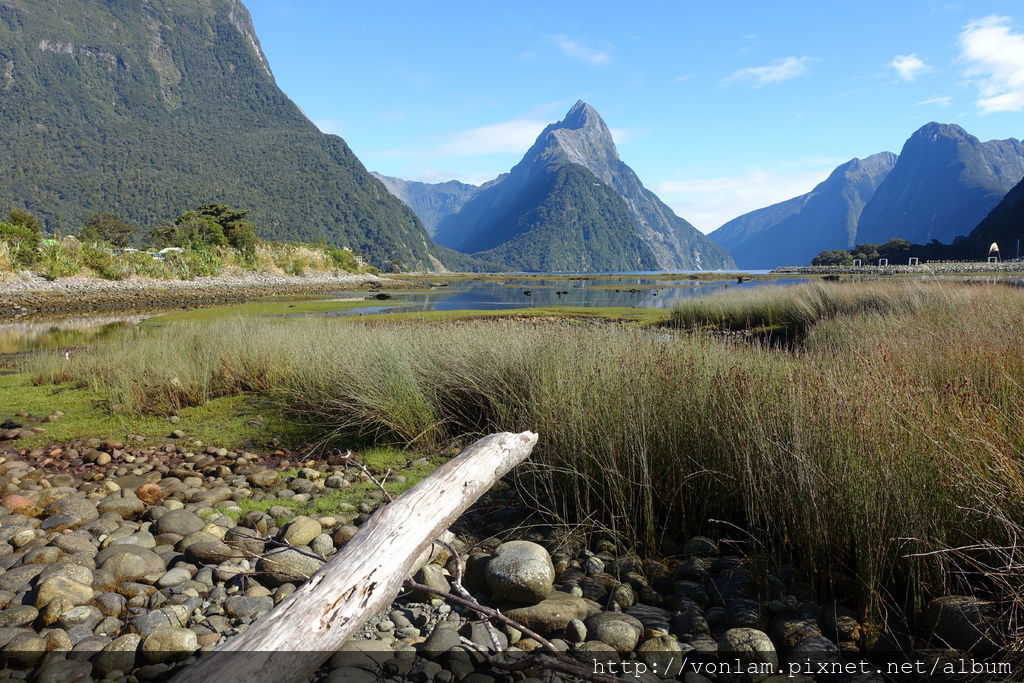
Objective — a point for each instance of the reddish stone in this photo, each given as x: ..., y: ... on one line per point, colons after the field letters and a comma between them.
x: 15, y: 502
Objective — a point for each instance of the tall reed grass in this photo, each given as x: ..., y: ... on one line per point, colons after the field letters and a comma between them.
x: 894, y: 429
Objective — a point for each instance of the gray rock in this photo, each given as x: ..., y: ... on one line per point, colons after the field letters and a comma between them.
x: 143, y: 539
x: 180, y: 522
x: 117, y: 655
x: 575, y: 631
x: 174, y: 577
x: 616, y: 629
x: 244, y: 606
x: 520, y: 571
x: 19, y: 615
x: 301, y: 530
x: 73, y: 592
x: 60, y: 670
x: 173, y: 616
x: 441, y: 640
x: 701, y: 546
x: 322, y: 545
x: 550, y: 616
x: 210, y: 552
x: 750, y: 647
x: 965, y: 623
x: 124, y: 504
x: 169, y: 645
x: 131, y: 562
x: 286, y: 565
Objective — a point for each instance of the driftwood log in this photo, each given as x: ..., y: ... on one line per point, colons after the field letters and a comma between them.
x: 292, y: 641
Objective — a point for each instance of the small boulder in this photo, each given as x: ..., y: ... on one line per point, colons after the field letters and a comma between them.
x: 520, y: 571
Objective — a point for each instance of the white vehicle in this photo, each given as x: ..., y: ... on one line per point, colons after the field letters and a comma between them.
x: 170, y: 250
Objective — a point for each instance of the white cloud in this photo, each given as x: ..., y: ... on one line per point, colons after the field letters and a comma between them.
x: 778, y: 71
x: 583, y: 53
x: 330, y: 126
x: 940, y: 101
x: 515, y: 135
x: 909, y: 67
x: 710, y: 202
x: 440, y: 176
x: 994, y: 58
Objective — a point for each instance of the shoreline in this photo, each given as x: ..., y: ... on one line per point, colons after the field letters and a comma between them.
x: 33, y: 294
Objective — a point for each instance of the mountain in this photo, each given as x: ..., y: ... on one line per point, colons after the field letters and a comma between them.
x: 794, y: 231
x: 944, y: 183
x: 146, y: 109
x: 572, y: 203
x: 431, y: 202
x: 1005, y: 223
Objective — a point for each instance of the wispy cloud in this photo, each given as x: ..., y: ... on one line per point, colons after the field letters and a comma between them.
x: 778, y: 71
x: 940, y: 101
x: 994, y: 58
x: 505, y: 137
x: 710, y: 202
x: 581, y: 52
x: 909, y: 67
x: 683, y: 78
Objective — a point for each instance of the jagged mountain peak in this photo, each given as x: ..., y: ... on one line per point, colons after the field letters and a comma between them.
x: 580, y: 115
x: 573, y: 172
x: 933, y: 130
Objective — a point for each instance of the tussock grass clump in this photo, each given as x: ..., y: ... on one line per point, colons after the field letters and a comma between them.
x: 795, y: 309
x: 891, y: 431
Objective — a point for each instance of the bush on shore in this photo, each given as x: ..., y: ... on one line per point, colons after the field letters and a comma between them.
x: 214, y: 240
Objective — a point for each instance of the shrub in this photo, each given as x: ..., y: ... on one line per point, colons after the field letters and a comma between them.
x: 22, y: 244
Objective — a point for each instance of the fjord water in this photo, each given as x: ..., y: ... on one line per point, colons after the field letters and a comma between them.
x: 600, y: 291
x: 636, y: 290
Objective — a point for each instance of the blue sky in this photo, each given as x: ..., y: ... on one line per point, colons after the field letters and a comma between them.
x: 720, y: 106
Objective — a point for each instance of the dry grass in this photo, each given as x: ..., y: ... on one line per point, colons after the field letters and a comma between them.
x: 891, y: 430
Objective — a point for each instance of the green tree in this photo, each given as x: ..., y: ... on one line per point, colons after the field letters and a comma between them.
x: 208, y: 226
x: 24, y: 219
x: 104, y: 227
x: 895, y: 250
x: 833, y: 257
x: 867, y: 253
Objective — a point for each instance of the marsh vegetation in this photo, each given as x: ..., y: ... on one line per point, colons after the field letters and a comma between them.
x: 872, y: 444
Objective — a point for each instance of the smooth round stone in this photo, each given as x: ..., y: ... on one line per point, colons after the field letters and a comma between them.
x: 520, y: 571
x: 286, y: 565
x: 142, y: 539
x: 174, y: 577
x: 73, y: 592
x: 748, y: 646
x: 169, y: 645
x: 180, y: 522
x: 20, y: 615
x: 118, y: 655
x: 619, y: 630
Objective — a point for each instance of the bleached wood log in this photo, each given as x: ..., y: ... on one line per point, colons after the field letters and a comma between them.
x: 363, y: 578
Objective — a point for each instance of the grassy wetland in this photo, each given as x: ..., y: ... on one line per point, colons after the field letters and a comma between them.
x: 874, y: 441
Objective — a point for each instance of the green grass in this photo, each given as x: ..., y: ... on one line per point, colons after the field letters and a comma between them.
x: 87, y: 414
x: 343, y: 502
x: 890, y: 431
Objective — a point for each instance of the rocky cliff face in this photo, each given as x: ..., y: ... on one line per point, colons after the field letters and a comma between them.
x: 795, y: 231
x: 1004, y: 224
x: 945, y: 182
x: 146, y: 109
x: 432, y: 202
x: 510, y: 206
